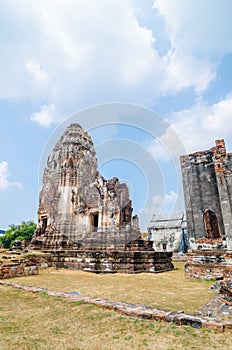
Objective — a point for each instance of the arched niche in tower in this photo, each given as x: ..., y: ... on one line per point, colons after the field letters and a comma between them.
x: 211, y: 224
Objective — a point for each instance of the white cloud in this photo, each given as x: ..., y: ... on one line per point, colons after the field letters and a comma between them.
x: 199, y: 33
x: 75, y: 53
x: 194, y: 129
x: 72, y: 54
x: 202, y: 28
x: 199, y: 126
x: 37, y: 72
x: 46, y: 116
x: 165, y: 203
x: 185, y: 70
x: 167, y: 147
x: 4, y: 177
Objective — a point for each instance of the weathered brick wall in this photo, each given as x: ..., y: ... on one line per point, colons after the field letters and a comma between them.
x: 209, y: 264
x: 40, y: 260
x: 114, y: 261
x: 17, y: 264
x: 207, y: 182
x: 8, y: 270
x: 224, y: 181
x: 200, y: 192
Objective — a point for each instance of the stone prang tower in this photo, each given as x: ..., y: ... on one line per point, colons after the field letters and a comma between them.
x: 77, y: 202
x: 84, y: 221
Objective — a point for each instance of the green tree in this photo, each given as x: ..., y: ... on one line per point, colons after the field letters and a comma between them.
x: 22, y: 232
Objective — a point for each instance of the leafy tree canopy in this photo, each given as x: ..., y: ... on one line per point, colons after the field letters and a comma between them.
x: 22, y: 232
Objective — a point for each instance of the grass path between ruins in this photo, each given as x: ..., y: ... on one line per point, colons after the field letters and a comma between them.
x: 169, y: 290
x: 37, y: 321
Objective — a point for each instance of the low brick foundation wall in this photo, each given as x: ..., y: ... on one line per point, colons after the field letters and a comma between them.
x: 19, y: 263
x: 41, y: 260
x: 134, y: 310
x: 209, y: 264
x: 113, y: 261
x: 9, y: 271
x: 179, y: 257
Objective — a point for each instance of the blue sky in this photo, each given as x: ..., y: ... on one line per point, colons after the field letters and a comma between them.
x: 172, y: 57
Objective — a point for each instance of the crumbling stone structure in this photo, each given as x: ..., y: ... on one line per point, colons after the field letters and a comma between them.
x: 81, y: 211
x: 9, y: 271
x: 207, y: 181
x: 22, y: 264
x: 226, y: 291
x: 77, y: 205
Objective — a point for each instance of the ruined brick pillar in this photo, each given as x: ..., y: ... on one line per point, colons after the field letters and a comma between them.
x: 222, y: 165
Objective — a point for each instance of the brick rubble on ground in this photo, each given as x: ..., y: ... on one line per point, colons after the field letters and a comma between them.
x: 133, y: 310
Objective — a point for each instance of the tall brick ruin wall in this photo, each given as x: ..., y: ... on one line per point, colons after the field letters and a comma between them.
x: 207, y: 182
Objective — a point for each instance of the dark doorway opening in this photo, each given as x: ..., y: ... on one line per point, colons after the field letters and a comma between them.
x: 95, y: 221
x: 44, y: 225
x: 211, y: 224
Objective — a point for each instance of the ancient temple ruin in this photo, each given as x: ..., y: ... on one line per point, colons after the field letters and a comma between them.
x: 85, y: 220
x: 78, y: 202
x: 207, y: 182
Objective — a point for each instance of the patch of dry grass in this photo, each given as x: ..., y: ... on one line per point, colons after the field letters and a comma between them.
x: 39, y: 322
x: 169, y: 290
